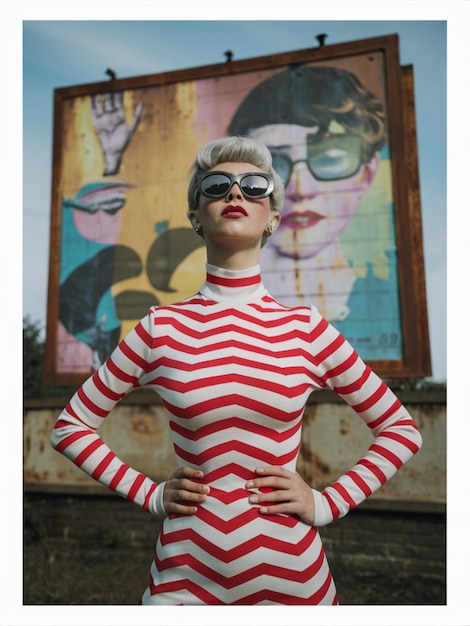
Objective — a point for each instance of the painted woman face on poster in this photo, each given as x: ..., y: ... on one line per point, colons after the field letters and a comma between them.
x: 325, y: 131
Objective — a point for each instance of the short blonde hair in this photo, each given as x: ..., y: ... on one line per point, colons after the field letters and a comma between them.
x: 234, y: 150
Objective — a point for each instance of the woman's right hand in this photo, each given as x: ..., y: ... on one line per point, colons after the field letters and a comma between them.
x: 182, y: 487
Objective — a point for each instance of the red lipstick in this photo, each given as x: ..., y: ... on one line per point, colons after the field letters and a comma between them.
x: 234, y: 211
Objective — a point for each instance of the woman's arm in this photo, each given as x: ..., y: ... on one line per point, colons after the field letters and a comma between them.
x: 75, y: 432
x: 396, y: 437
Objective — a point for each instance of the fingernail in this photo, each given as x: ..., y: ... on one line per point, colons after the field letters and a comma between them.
x: 263, y: 509
x: 250, y: 484
x: 259, y: 470
x: 254, y: 499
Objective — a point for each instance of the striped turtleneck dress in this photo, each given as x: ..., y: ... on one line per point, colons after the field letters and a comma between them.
x: 234, y: 369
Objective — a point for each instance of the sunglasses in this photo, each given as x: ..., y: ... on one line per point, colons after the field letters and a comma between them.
x: 253, y: 185
x: 333, y: 158
x: 111, y: 206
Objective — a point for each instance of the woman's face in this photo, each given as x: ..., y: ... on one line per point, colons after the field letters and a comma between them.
x: 315, y: 211
x: 234, y: 217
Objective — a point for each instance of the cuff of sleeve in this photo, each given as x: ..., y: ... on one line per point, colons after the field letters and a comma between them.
x: 156, y: 502
x: 323, y: 514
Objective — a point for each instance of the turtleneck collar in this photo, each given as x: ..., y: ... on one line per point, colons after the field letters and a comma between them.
x: 233, y: 285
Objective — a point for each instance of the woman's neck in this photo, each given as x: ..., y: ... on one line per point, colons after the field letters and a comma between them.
x: 236, y: 286
x: 240, y: 259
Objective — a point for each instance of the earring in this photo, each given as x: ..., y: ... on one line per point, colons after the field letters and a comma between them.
x: 269, y: 229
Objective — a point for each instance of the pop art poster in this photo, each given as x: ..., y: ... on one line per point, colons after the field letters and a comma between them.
x: 124, y: 241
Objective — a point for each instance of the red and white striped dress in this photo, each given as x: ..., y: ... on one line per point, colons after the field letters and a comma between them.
x: 234, y: 369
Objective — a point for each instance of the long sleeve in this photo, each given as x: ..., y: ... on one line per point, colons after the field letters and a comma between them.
x: 396, y: 437
x: 75, y: 432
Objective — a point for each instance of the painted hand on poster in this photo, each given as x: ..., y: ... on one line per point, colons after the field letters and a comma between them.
x: 112, y: 129
x: 326, y: 132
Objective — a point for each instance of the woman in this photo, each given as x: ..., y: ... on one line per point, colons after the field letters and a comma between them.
x: 234, y: 369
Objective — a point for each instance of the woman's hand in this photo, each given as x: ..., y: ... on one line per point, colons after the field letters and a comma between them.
x: 182, y: 486
x: 291, y: 493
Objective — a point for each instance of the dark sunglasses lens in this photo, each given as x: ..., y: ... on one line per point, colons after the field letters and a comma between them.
x: 254, y: 186
x: 215, y: 185
x: 282, y: 165
x: 335, y: 158
x: 334, y: 165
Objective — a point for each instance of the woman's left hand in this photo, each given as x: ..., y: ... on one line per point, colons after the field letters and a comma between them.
x: 291, y: 493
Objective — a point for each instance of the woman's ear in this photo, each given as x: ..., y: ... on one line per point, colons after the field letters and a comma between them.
x: 272, y: 225
x: 274, y: 221
x: 192, y: 216
x: 371, y: 168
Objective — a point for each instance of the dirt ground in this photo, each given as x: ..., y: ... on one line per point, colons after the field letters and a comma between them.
x: 97, y: 551
x: 113, y: 576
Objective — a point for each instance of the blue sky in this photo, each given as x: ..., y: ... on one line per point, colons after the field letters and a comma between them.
x: 64, y: 53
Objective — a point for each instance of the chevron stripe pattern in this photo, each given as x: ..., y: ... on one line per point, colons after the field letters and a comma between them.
x: 234, y: 369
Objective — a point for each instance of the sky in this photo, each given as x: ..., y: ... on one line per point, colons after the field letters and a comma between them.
x: 64, y: 53
x: 44, y: 45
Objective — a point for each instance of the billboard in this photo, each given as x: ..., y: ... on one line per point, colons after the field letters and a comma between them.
x: 339, y: 121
